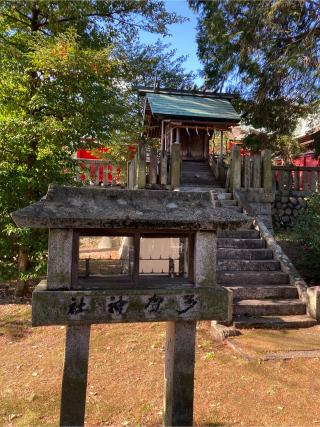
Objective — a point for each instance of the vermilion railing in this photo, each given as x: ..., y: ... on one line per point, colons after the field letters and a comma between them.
x: 102, y: 172
x: 296, y: 178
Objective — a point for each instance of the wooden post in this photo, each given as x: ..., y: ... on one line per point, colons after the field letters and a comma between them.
x: 136, y: 258
x: 304, y: 180
x: 266, y: 170
x: 296, y: 180
x: 163, y: 169
x: 182, y: 251
x: 175, y: 167
x: 171, y: 267
x: 74, y: 382
x: 257, y: 171
x: 178, y: 136
x: 179, y: 374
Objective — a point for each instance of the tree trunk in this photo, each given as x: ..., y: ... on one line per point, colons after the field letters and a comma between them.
x: 23, y: 261
x: 23, y: 264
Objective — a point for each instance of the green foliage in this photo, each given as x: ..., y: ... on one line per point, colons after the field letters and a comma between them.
x: 67, y: 71
x: 256, y: 141
x: 283, y: 146
x: 267, y: 51
x: 307, y: 233
x: 286, y: 147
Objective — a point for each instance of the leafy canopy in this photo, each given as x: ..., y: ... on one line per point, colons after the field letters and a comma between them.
x: 268, y: 51
x: 67, y: 70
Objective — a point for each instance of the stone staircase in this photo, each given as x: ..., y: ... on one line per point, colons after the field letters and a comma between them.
x: 197, y: 173
x: 262, y: 294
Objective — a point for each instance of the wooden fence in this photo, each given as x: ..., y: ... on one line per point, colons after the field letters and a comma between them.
x: 296, y: 178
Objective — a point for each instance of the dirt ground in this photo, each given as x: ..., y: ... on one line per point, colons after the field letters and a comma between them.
x: 125, y: 386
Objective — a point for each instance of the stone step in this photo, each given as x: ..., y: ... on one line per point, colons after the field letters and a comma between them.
x: 240, y: 243
x: 196, y: 171
x: 239, y: 234
x: 234, y: 208
x: 252, y: 278
x: 268, y: 307
x: 228, y: 203
x: 253, y: 254
x: 195, y: 165
x: 248, y: 265
x: 197, y: 181
x: 198, y: 189
x: 225, y: 196
x: 263, y: 292
x: 275, y: 322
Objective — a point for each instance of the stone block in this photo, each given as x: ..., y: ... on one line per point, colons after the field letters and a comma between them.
x: 63, y: 252
x: 205, y: 259
x: 179, y: 374
x: 313, y: 302
x: 74, y: 382
x: 293, y: 200
x: 221, y: 332
x: 174, y: 303
x: 175, y: 165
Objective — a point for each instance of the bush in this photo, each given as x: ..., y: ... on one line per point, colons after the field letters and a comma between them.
x: 307, y: 233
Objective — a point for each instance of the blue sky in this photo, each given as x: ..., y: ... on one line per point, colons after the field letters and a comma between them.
x: 183, y: 36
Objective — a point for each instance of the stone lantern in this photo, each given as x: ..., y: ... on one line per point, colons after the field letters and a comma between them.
x: 65, y: 298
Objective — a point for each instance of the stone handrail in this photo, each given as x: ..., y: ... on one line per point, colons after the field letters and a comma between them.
x: 296, y: 178
x: 286, y: 265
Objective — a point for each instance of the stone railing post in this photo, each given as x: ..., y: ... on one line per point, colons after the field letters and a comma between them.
x: 266, y: 170
x: 163, y: 169
x: 141, y: 166
x: 131, y: 174
x: 175, y: 166
x: 153, y: 167
x: 235, y: 171
x: 257, y: 171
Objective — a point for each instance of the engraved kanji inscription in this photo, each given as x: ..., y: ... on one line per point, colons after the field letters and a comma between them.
x: 77, y: 307
x: 189, y: 302
x: 153, y: 304
x: 116, y: 307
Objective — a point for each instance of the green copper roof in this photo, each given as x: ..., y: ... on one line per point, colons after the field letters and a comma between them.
x: 192, y: 107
